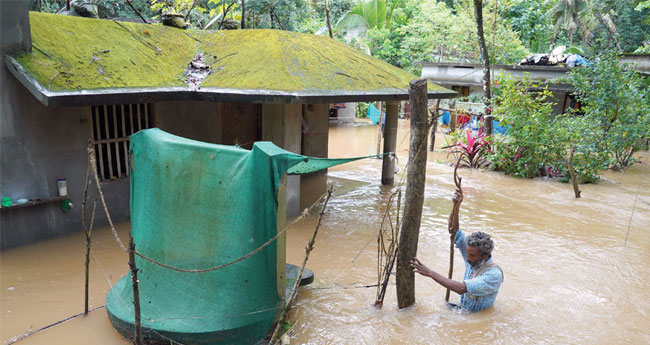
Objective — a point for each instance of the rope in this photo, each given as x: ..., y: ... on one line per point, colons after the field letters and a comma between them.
x: 638, y: 188
x: 52, y: 325
x: 255, y: 251
x: 91, y: 156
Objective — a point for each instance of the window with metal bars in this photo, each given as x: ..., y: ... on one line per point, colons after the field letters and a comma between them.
x: 112, y: 126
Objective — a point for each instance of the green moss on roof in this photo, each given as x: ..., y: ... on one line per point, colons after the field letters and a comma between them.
x: 74, y: 53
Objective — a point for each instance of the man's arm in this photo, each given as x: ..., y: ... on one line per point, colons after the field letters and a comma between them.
x: 453, y: 285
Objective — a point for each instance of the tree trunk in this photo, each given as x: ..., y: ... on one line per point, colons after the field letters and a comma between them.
x: 416, y: 176
x: 243, y: 14
x: 329, y: 21
x: 487, y: 94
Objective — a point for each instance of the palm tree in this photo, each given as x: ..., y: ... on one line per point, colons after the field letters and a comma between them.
x: 583, y: 15
x: 375, y: 14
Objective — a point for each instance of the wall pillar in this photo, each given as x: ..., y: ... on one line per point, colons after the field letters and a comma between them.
x: 282, y: 125
x: 314, y: 144
x: 390, y: 143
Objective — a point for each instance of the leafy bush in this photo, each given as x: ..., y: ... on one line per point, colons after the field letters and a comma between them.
x: 530, y: 143
x: 616, y: 107
x: 473, y: 152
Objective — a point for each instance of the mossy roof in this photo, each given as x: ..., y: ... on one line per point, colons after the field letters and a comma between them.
x: 78, y: 61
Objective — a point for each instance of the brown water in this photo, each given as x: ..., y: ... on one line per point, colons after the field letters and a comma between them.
x: 569, y: 278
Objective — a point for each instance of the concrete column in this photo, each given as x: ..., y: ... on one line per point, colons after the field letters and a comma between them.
x: 314, y: 144
x: 390, y: 143
x: 15, y: 33
x: 282, y: 125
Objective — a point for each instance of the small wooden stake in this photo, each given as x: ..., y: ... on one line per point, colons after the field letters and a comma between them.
x: 572, y: 173
x: 136, y: 291
x: 434, y: 127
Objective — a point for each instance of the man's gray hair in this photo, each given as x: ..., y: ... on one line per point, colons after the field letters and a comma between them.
x: 482, y: 241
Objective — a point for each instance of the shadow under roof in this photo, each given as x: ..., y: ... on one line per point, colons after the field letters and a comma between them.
x: 82, y: 61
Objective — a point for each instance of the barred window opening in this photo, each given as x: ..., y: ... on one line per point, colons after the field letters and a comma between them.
x: 112, y: 126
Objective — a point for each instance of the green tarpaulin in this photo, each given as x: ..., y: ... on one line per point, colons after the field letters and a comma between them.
x: 196, y: 205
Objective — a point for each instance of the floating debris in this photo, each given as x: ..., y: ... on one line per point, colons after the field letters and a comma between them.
x: 196, y: 72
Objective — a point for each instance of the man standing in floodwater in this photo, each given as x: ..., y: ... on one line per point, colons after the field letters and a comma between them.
x: 483, y: 276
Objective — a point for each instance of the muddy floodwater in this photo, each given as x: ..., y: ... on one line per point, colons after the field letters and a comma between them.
x: 570, y: 276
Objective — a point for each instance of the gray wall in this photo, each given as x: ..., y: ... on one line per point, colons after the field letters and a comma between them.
x: 191, y: 119
x: 38, y: 145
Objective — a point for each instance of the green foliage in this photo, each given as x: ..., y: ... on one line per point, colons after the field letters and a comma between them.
x: 530, y: 143
x: 278, y: 14
x: 613, y: 124
x: 615, y: 100
x: 532, y: 22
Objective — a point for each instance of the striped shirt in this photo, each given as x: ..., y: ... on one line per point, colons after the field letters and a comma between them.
x: 482, y: 290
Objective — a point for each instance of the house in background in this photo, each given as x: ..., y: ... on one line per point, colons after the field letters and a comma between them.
x: 466, y: 79
x: 68, y: 81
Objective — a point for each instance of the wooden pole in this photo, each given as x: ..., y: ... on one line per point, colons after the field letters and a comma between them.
x: 572, y: 173
x: 434, y: 127
x: 416, y: 176
x: 136, y: 292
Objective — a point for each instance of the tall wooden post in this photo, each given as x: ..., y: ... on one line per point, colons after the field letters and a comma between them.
x: 416, y: 176
x: 390, y: 143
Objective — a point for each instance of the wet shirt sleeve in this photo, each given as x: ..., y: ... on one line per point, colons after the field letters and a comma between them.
x: 460, y: 243
x: 486, y: 284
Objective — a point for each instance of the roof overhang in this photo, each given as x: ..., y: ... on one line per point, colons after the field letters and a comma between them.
x: 147, y: 95
x: 80, y: 61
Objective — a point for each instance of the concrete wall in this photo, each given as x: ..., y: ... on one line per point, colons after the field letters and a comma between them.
x: 38, y: 145
x: 347, y: 114
x: 191, y: 119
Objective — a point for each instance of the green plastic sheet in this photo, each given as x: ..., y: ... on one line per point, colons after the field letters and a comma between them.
x: 196, y: 205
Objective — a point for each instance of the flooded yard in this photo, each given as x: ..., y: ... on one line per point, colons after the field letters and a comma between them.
x: 570, y: 275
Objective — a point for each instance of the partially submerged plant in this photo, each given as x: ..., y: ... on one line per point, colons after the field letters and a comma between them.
x: 473, y: 154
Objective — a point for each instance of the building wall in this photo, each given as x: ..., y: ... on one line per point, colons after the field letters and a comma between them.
x: 39, y: 145
x: 191, y: 119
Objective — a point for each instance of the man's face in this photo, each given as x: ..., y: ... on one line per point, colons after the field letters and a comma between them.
x: 474, y: 256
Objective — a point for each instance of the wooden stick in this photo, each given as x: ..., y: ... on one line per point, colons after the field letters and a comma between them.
x: 572, y: 173
x: 136, y: 11
x: 294, y: 290
x: 434, y: 126
x: 392, y: 256
x: 85, y: 228
x: 136, y: 292
x: 453, y: 225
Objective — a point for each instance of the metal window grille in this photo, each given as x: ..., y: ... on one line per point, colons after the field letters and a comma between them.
x: 112, y: 126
